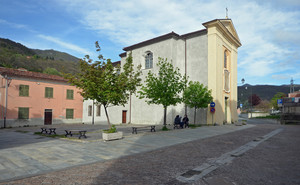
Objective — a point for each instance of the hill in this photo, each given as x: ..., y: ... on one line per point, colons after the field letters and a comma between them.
x: 16, y: 55
x: 265, y: 92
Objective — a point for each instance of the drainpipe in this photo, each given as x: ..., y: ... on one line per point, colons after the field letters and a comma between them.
x: 7, y: 83
x: 93, y: 118
x: 185, y: 70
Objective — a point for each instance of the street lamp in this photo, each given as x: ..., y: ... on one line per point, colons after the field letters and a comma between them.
x: 7, y: 83
x: 243, y: 80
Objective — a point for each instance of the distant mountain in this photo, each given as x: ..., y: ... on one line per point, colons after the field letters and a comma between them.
x: 16, y: 55
x: 56, y: 55
x: 265, y: 92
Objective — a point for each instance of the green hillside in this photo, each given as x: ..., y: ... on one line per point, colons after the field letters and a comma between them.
x: 16, y: 55
x: 265, y: 92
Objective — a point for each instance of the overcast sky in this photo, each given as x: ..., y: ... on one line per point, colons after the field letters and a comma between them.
x: 269, y: 30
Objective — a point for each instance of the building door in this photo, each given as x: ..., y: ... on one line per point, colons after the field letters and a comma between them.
x: 124, y: 116
x: 226, y: 102
x: 48, y: 117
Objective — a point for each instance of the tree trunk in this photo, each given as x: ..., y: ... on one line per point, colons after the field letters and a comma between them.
x: 165, y: 116
x: 105, y: 108
x: 195, y: 116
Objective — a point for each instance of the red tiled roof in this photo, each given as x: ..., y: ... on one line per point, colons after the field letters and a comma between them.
x: 29, y: 74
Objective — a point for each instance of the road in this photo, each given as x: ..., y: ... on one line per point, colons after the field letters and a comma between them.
x: 263, y: 154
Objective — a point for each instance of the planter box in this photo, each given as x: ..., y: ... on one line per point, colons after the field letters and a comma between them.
x: 112, y: 136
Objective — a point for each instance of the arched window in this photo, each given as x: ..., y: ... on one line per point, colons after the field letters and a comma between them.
x: 225, y: 59
x: 149, y: 60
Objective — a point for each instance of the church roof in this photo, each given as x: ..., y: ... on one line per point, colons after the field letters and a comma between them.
x: 226, y: 24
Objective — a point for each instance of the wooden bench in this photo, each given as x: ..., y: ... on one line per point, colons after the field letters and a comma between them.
x: 134, y: 129
x: 51, y: 130
x: 81, y: 133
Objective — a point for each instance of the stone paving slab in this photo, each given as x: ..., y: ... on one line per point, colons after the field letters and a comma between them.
x: 28, y: 154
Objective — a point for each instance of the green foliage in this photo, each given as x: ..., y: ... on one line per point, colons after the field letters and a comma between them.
x: 269, y: 117
x: 113, y: 129
x: 277, y: 96
x: 101, y: 81
x: 51, y: 71
x: 15, y: 55
x: 196, y: 96
x: 164, y: 128
x: 165, y: 87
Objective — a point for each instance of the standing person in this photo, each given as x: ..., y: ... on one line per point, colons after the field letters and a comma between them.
x: 185, y: 121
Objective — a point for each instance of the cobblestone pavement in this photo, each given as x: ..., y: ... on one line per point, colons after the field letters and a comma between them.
x: 23, y: 154
x: 274, y: 161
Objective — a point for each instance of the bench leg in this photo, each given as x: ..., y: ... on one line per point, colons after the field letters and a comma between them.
x: 44, y: 130
x: 68, y: 133
x: 134, y: 130
x: 152, y: 128
x: 82, y: 134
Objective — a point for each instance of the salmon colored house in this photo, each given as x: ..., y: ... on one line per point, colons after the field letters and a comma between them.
x: 31, y: 98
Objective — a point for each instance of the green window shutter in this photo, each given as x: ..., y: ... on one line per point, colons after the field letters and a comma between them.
x: 70, y: 95
x: 23, y: 113
x: 69, y: 113
x: 48, y: 92
x: 24, y: 90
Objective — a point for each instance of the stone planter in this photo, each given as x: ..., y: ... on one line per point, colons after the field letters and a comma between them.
x: 112, y: 136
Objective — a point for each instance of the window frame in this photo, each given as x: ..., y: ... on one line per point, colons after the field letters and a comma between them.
x: 98, y: 110
x: 24, y: 90
x: 225, y: 59
x: 149, y: 60
x: 68, y: 93
x: 90, y: 110
x: 21, y: 113
x: 47, y: 94
x: 68, y: 112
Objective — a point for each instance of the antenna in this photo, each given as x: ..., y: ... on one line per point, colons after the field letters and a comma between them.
x: 292, y: 89
x: 226, y: 13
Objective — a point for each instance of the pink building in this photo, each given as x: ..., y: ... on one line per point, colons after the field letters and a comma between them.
x: 37, y: 99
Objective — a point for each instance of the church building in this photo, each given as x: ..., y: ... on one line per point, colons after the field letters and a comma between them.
x: 208, y: 56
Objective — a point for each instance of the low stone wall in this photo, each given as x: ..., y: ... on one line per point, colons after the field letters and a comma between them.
x: 258, y: 114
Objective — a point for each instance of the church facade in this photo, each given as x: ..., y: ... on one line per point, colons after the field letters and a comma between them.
x: 208, y: 56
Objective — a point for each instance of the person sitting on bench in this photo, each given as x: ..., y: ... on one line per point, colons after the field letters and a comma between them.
x: 185, y: 121
x: 177, y: 121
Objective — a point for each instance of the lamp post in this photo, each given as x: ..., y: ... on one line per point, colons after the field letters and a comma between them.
x: 7, y: 83
x: 243, y: 80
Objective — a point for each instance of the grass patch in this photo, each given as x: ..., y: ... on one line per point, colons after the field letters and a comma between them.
x: 22, y: 131
x: 269, y: 117
x: 192, y: 126
x: 165, y: 128
x: 52, y: 136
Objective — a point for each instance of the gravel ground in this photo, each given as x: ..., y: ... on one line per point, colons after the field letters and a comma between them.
x: 164, y: 165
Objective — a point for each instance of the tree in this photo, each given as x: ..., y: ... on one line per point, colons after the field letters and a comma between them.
x: 254, y: 100
x: 51, y: 71
x: 264, y: 105
x: 165, y: 87
x: 196, y: 96
x: 277, y: 96
x: 103, y: 82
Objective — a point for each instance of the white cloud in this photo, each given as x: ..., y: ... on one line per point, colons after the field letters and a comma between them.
x: 263, y: 27
x: 64, y: 44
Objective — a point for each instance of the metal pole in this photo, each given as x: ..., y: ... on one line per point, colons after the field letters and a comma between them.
x: 93, y: 113
x: 251, y: 101
x: 5, y: 110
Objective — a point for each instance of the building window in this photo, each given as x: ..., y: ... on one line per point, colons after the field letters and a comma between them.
x: 226, y: 80
x: 24, y: 90
x: 90, y: 110
x: 23, y: 113
x: 69, y: 113
x: 149, y: 60
x: 98, y: 110
x: 70, y: 95
x: 225, y: 59
x: 48, y: 92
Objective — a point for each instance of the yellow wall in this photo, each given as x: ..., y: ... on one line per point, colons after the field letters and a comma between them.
x: 218, y: 41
